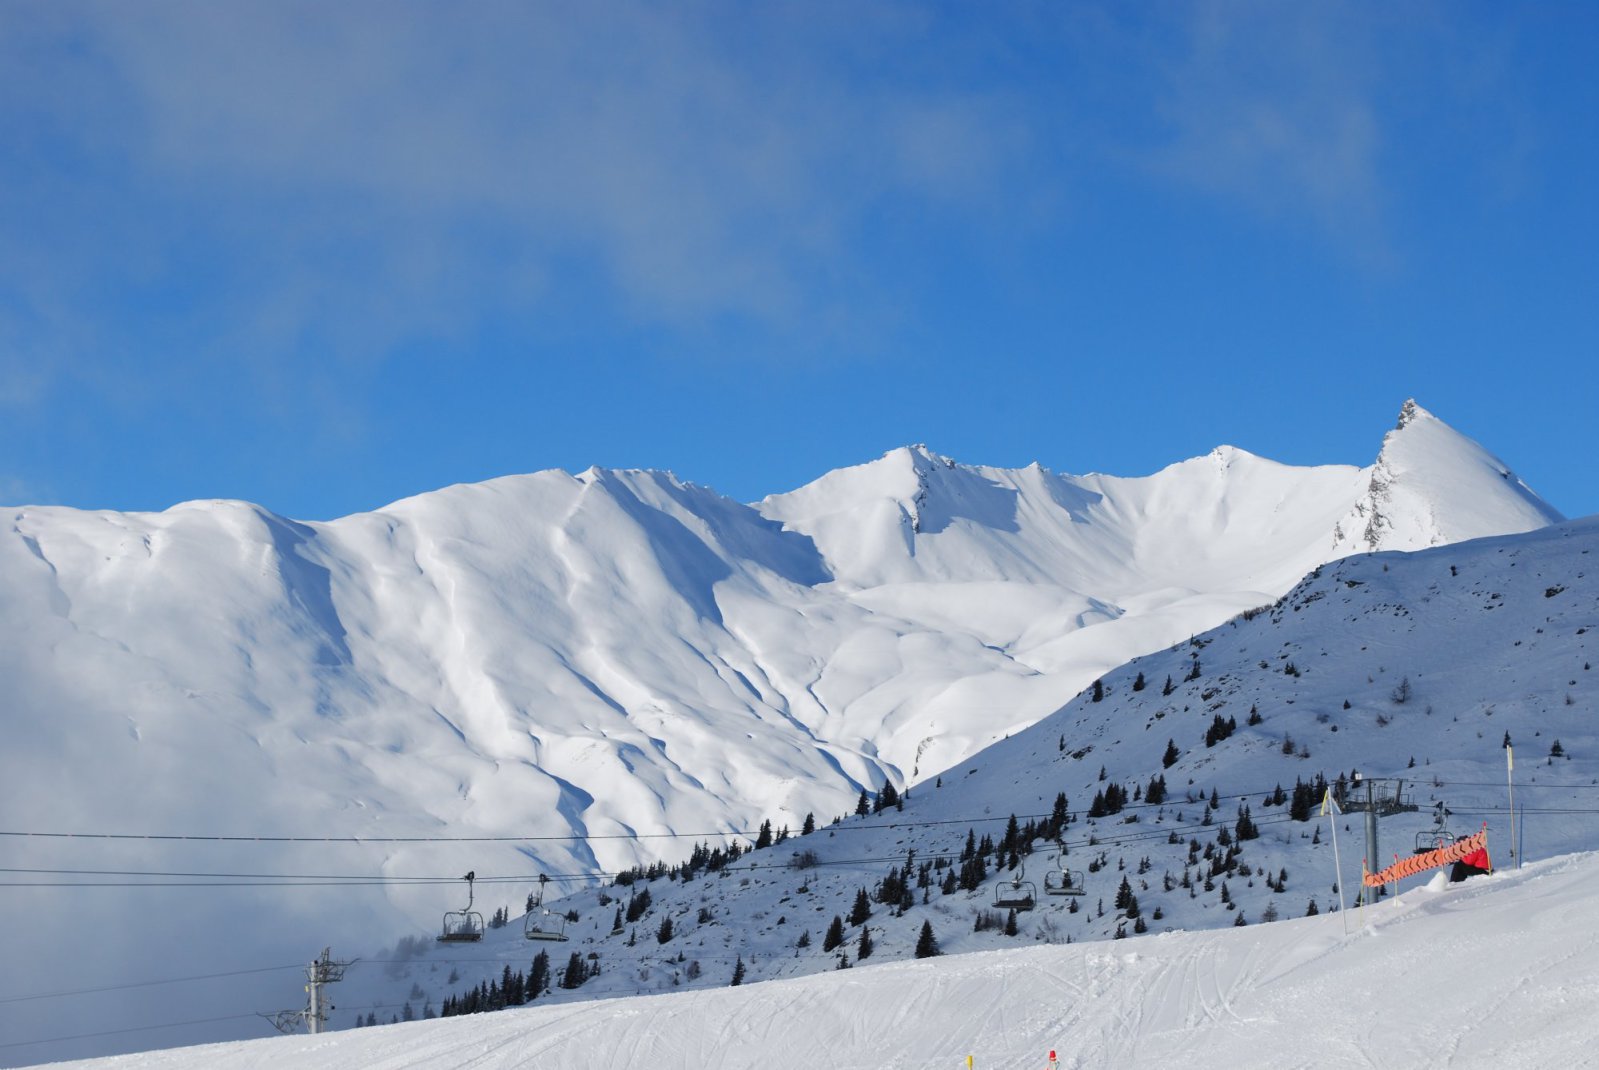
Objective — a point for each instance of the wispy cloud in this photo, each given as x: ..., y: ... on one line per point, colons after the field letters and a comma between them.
x: 1278, y: 107
x: 359, y: 175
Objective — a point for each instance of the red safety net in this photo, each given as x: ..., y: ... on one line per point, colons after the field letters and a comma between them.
x: 1473, y: 850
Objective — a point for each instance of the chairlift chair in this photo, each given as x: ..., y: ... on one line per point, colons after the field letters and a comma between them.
x: 1063, y: 882
x: 1439, y: 836
x: 540, y: 922
x: 1015, y: 894
x: 463, y: 926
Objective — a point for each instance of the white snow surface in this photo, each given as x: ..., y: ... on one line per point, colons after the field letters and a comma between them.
x: 1500, y: 971
x: 585, y: 666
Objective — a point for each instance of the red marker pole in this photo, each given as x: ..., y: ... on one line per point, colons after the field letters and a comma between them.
x: 1053, y: 1065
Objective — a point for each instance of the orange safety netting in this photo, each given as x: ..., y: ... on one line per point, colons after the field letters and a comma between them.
x: 1455, y: 852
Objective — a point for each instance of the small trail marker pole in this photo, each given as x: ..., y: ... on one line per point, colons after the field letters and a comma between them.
x: 1329, y: 808
x: 1510, y: 779
x: 1052, y: 1064
x: 1365, y: 868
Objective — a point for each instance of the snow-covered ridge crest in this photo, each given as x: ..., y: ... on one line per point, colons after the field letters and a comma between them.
x: 1430, y: 486
x: 624, y: 650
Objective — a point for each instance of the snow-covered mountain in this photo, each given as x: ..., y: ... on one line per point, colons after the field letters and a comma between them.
x: 1414, y: 666
x: 583, y: 665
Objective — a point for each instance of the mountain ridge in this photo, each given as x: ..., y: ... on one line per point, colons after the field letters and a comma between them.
x: 579, y: 666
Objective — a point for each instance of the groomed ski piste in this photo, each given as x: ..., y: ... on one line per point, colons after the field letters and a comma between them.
x: 1498, y: 971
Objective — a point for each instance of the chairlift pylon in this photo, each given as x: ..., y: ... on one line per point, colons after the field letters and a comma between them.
x: 540, y: 922
x: 463, y: 926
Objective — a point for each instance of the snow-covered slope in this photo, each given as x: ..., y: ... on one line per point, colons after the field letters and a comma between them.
x: 1438, y: 654
x: 1500, y: 972
x: 581, y: 666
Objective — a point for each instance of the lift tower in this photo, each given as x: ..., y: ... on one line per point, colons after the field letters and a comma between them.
x: 322, y: 971
x: 1376, y: 797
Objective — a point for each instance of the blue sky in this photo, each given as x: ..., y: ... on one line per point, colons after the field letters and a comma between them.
x: 323, y: 257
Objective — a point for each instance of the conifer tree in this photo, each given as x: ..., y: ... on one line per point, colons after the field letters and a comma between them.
x: 738, y: 972
x: 862, y: 908
x: 664, y: 933
x: 926, y: 943
x: 575, y: 973
x: 835, y: 934
x: 1057, y: 817
x: 637, y: 905
x: 810, y: 824
x: 863, y: 950
x: 1172, y: 754
x: 538, y: 977
x: 1155, y: 794
x: 1299, y: 806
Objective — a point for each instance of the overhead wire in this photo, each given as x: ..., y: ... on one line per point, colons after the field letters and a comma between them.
x: 190, y: 879
x: 128, y: 1029
x: 146, y: 984
x: 225, y: 974
x: 213, y: 880
x: 840, y: 826
x: 844, y: 825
